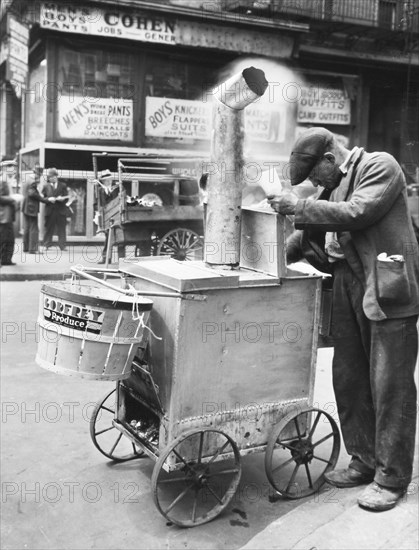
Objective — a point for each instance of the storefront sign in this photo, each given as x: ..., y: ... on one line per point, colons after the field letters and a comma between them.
x: 114, y: 22
x: 18, y: 30
x: 16, y: 53
x: 202, y: 34
x: 16, y: 73
x: 323, y: 106
x: 265, y: 123
x: 111, y: 22
x: 181, y: 118
x: 177, y: 118
x: 98, y: 119
x: 4, y: 51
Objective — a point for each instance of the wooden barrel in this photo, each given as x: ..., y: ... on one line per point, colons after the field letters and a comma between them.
x: 90, y: 332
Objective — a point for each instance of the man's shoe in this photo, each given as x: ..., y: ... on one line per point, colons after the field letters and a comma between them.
x: 349, y: 477
x: 8, y: 263
x: 102, y: 261
x: 379, y: 498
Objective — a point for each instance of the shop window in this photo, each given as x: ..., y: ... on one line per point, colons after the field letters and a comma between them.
x: 177, y: 78
x: 29, y: 160
x: 177, y: 113
x: 98, y: 92
x: 76, y: 219
x: 100, y: 73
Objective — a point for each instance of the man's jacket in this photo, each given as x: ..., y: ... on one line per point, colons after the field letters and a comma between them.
x: 30, y: 206
x: 370, y: 215
x: 7, y: 205
x: 59, y: 207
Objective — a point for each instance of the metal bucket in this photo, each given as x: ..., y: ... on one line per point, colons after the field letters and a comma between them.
x: 90, y: 332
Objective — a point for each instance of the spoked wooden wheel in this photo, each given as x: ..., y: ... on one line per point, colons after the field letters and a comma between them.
x: 108, y: 439
x: 301, y: 449
x: 181, y: 244
x: 201, y: 487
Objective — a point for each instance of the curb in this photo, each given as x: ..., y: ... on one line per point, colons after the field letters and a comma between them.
x: 48, y: 276
x: 9, y: 277
x: 333, y: 520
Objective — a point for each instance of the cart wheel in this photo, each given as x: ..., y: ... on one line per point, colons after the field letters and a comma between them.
x: 181, y: 244
x: 108, y: 439
x: 312, y: 438
x: 201, y: 487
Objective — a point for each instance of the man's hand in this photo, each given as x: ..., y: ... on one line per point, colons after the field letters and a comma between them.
x: 283, y: 204
x: 51, y: 199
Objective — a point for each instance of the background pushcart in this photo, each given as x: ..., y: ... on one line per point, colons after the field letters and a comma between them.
x: 155, y: 204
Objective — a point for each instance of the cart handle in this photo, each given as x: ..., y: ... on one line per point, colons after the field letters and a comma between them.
x: 80, y: 270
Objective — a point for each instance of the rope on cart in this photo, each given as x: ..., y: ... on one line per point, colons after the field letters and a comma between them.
x: 143, y: 325
x: 74, y: 277
x: 130, y: 291
x: 136, y: 315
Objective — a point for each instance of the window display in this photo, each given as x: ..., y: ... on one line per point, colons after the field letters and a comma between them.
x: 76, y: 218
x: 97, y: 95
x: 175, y: 110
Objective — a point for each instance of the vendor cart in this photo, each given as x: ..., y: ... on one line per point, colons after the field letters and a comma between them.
x: 229, y: 370
x: 226, y: 354
x: 210, y: 365
x: 154, y: 204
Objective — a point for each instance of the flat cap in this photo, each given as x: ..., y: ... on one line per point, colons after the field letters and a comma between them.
x: 309, y: 148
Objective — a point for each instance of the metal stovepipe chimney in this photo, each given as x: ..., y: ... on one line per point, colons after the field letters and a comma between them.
x: 225, y: 181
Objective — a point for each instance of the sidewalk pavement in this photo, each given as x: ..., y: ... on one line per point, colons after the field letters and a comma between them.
x: 329, y: 520
x: 53, y: 263
x: 332, y: 520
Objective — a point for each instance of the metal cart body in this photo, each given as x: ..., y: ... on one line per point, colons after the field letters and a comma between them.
x: 229, y: 371
x: 233, y: 357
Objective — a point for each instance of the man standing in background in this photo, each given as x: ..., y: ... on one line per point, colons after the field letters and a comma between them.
x: 7, y: 213
x: 55, y: 210
x: 30, y: 209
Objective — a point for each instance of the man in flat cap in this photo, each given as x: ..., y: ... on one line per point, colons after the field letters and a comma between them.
x: 359, y: 229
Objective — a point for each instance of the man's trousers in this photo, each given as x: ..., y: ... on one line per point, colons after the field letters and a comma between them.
x: 30, y: 233
x: 55, y: 223
x: 373, y: 379
x: 7, y: 243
